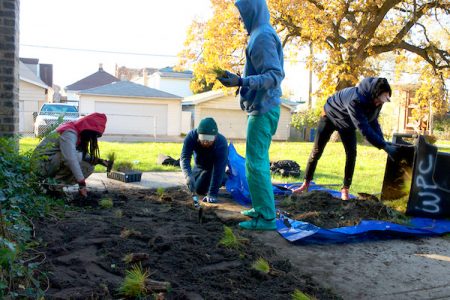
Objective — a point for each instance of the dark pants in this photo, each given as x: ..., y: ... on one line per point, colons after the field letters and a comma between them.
x: 324, y: 130
x: 202, y: 180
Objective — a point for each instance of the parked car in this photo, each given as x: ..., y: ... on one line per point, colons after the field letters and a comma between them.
x: 49, y: 114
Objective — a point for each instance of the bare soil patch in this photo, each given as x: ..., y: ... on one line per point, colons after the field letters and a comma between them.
x: 85, y: 251
x: 323, y: 210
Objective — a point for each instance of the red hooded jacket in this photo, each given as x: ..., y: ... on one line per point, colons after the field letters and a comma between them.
x: 95, y: 122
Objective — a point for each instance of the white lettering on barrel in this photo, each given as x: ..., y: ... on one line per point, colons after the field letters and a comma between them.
x: 431, y: 205
x: 430, y: 201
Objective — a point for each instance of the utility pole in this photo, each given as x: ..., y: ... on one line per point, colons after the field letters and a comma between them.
x: 311, y: 53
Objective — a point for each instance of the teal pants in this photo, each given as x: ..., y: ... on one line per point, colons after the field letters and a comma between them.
x: 260, y: 130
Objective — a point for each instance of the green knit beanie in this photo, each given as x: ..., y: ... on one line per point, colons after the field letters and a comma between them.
x: 207, y: 127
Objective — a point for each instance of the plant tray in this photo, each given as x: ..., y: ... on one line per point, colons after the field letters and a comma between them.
x: 129, y: 176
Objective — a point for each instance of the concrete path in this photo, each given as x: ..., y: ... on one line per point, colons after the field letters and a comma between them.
x: 149, y: 180
x: 391, y: 269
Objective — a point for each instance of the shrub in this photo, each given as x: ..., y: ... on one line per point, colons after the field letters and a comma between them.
x: 21, y: 200
x: 306, y: 118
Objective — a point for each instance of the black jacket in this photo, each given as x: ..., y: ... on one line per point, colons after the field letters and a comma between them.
x: 353, y: 108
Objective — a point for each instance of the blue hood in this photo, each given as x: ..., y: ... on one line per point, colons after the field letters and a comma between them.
x: 254, y: 13
x: 365, y: 89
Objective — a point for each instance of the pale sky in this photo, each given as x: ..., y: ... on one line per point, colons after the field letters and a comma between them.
x: 132, y: 26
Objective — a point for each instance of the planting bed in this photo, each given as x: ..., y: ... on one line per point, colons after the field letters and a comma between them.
x: 85, y: 251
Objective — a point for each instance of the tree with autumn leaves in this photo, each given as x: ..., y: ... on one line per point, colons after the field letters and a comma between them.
x: 353, y: 39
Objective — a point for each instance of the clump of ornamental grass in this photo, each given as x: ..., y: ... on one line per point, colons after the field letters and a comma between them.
x: 160, y: 192
x: 230, y: 240
x: 106, y: 203
x: 118, y: 213
x: 133, y: 284
x: 299, y: 295
x: 261, y: 265
x: 126, y: 233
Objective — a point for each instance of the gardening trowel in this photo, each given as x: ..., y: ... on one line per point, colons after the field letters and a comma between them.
x: 198, y: 207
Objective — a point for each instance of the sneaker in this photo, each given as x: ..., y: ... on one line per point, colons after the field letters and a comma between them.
x: 303, y: 188
x: 258, y: 224
x: 344, y: 194
x: 250, y: 213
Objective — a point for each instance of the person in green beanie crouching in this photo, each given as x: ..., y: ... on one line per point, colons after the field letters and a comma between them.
x: 210, y: 150
x: 260, y: 98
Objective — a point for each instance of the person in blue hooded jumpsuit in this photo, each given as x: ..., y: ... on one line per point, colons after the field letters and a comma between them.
x: 347, y: 110
x: 260, y: 93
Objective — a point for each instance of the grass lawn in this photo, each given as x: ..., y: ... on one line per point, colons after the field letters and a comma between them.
x: 368, y: 176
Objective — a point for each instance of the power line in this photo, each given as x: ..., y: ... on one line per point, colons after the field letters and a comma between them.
x: 100, y: 51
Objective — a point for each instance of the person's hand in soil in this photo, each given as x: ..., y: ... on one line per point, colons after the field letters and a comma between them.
x: 83, y: 192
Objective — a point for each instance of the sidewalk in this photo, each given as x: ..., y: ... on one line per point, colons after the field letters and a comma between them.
x: 149, y: 180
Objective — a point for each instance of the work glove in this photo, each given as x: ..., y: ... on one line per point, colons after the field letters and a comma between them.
x: 210, y: 199
x: 391, y: 150
x: 190, y: 182
x: 230, y: 79
x: 82, y: 190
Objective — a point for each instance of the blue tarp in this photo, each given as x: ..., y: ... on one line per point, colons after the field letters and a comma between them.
x: 299, y: 232
x: 237, y: 184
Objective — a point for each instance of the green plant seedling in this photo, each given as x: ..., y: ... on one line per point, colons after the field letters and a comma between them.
x: 133, y: 284
x: 160, y: 191
x: 111, y: 156
x: 118, y: 213
x: 106, y: 203
x: 299, y: 295
x: 261, y: 265
x: 230, y: 240
x: 126, y: 233
x: 128, y: 258
x: 219, y: 72
x: 123, y: 166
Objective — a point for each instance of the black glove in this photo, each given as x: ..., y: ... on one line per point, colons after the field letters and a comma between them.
x: 190, y: 182
x: 230, y: 79
x: 391, y: 150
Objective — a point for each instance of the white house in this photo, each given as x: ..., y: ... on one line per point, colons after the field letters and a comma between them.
x: 168, y: 80
x: 226, y: 110
x: 134, y: 109
x: 33, y: 92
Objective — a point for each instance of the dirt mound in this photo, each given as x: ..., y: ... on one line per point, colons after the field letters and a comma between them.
x: 85, y: 251
x: 323, y: 210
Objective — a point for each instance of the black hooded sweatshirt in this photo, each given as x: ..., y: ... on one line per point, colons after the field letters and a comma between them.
x: 354, y: 107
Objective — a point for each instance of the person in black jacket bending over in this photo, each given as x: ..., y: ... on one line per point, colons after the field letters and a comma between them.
x: 210, y: 150
x: 351, y: 108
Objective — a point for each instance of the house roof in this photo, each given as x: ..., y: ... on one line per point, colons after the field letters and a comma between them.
x: 168, y: 72
x: 96, y: 79
x: 211, y: 95
x: 128, y: 89
x: 27, y: 75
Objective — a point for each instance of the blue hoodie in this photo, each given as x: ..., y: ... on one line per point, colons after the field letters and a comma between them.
x: 353, y: 108
x: 263, y: 73
x: 214, y: 158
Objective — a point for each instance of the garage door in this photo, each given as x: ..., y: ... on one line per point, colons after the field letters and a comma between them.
x: 231, y: 123
x: 131, y: 118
